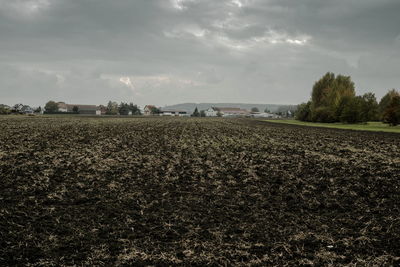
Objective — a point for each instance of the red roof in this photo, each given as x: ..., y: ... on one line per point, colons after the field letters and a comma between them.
x: 149, y: 106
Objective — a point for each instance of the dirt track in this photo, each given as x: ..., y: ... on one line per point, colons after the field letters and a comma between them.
x: 101, y: 191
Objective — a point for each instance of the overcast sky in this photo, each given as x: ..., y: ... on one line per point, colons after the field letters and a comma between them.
x: 172, y: 51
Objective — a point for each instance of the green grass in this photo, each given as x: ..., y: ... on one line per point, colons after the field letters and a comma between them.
x: 370, y: 126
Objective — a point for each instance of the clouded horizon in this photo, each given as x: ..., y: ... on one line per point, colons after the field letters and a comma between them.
x: 173, y: 51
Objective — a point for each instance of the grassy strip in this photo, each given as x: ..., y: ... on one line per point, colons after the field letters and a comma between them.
x: 370, y: 126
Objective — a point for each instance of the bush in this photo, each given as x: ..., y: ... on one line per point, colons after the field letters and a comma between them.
x: 303, y: 112
x: 323, y: 114
x: 4, y: 110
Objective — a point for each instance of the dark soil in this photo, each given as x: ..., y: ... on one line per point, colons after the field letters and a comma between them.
x: 98, y: 191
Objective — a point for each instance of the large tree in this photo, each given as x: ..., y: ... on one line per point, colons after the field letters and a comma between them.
x: 386, y: 100
x: 327, y: 97
x: 391, y: 114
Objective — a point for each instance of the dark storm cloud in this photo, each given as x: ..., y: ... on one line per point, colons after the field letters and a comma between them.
x: 164, y: 52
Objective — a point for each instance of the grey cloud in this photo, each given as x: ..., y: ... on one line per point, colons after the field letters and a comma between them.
x: 193, y: 50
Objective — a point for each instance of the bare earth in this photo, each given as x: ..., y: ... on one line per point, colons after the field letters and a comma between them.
x: 165, y: 191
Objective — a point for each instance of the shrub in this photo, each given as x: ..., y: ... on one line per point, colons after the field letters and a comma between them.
x: 303, y: 112
x: 323, y: 114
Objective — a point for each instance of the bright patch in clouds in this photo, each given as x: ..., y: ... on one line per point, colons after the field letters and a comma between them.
x: 155, y: 81
x: 24, y: 7
x: 218, y: 38
x: 297, y: 42
x: 237, y: 3
x: 127, y: 82
x: 178, y: 4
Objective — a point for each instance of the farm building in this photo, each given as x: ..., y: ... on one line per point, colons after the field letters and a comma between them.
x: 148, y: 110
x: 22, y: 109
x: 263, y: 115
x: 177, y: 113
x: 82, y: 109
x: 211, y: 112
x: 226, y: 112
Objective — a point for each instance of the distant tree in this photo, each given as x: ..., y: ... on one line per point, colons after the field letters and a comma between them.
x: 38, y: 110
x: 386, y: 100
x: 112, y: 108
x: 202, y: 113
x: 255, y: 109
x: 134, y: 109
x: 75, y: 109
x: 123, y: 109
x: 17, y: 108
x: 266, y: 110
x: 196, y: 113
x: 155, y: 110
x: 391, y: 114
x: 51, y: 107
x: 4, y: 109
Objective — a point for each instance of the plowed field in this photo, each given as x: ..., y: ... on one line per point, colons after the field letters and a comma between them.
x: 158, y: 191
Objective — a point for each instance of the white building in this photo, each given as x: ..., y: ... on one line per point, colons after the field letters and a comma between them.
x: 174, y: 113
x: 82, y: 109
x: 149, y: 109
x: 263, y: 115
x: 227, y: 112
x: 211, y: 112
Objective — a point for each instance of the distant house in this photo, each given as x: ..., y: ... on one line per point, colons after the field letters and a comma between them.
x: 22, y: 109
x: 148, y: 110
x: 62, y: 107
x: 103, y: 110
x: 211, y: 112
x: 177, y: 113
x: 82, y: 109
x: 27, y: 110
x: 227, y: 112
x: 17, y: 108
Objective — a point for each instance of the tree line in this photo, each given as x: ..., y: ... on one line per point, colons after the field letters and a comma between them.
x: 333, y: 99
x: 112, y: 108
